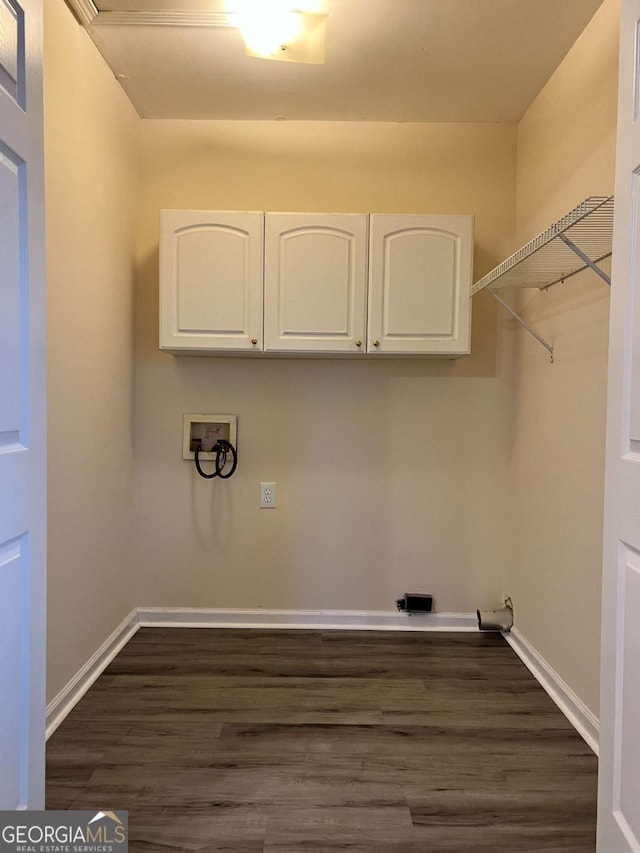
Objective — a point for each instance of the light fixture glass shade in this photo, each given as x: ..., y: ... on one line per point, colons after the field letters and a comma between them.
x: 273, y: 30
x: 267, y: 24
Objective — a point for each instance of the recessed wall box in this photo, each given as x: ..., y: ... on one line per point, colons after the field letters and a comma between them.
x: 207, y: 429
x: 414, y: 602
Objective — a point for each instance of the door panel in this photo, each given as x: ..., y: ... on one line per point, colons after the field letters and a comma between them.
x: 326, y: 287
x: 634, y: 409
x: 628, y: 744
x: 209, y: 258
x: 11, y: 297
x: 425, y: 262
x: 12, y: 58
x: 315, y: 282
x: 211, y: 281
x: 22, y: 409
x: 619, y: 780
x: 14, y: 619
x: 420, y: 269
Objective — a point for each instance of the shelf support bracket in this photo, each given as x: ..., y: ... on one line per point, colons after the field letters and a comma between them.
x: 523, y: 323
x: 587, y: 260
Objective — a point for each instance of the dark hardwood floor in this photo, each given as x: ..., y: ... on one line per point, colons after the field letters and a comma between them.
x: 314, y: 742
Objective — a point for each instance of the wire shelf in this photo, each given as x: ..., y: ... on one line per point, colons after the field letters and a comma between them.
x: 547, y: 259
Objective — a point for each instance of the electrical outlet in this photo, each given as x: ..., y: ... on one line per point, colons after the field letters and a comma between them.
x: 267, y: 495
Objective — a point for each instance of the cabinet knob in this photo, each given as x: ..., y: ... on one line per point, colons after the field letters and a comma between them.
x: 254, y: 341
x: 358, y: 343
x: 376, y: 343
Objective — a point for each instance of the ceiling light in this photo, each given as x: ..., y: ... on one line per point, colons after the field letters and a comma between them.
x: 266, y: 26
x: 272, y: 29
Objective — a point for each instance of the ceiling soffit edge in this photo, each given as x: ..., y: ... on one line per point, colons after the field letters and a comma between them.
x: 84, y: 10
x: 89, y: 15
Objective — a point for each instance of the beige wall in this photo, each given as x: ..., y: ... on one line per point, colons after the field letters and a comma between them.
x: 91, y: 166
x: 566, y: 151
x: 389, y: 473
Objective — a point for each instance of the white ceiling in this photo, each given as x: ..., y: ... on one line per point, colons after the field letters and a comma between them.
x: 386, y: 60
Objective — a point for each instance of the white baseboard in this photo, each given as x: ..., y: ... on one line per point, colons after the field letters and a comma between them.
x: 360, y: 620
x: 75, y: 689
x: 188, y: 617
x: 344, y: 620
x: 574, y: 709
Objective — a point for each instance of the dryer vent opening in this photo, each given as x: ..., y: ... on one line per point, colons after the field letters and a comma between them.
x: 495, y: 620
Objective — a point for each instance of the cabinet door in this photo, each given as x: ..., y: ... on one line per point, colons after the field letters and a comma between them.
x: 315, y: 282
x: 420, y: 270
x: 211, y: 280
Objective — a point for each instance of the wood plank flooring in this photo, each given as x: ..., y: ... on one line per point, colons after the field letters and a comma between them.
x: 316, y: 742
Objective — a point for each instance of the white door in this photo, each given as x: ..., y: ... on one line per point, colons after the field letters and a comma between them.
x: 315, y: 282
x: 619, y: 787
x: 420, y: 272
x: 211, y: 281
x: 22, y: 408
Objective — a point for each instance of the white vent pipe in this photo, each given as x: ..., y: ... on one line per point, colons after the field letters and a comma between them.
x: 496, y: 620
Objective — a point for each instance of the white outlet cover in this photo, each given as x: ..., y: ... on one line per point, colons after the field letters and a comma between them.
x: 268, y: 495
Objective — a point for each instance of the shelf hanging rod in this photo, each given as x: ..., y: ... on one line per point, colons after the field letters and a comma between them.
x: 587, y: 260
x: 523, y: 323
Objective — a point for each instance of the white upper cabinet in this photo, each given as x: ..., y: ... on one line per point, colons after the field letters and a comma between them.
x: 420, y: 272
x: 315, y: 282
x: 211, y: 280
x: 345, y: 284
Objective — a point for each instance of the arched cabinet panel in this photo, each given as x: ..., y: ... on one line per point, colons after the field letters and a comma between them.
x: 420, y: 272
x: 211, y: 280
x: 315, y: 282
